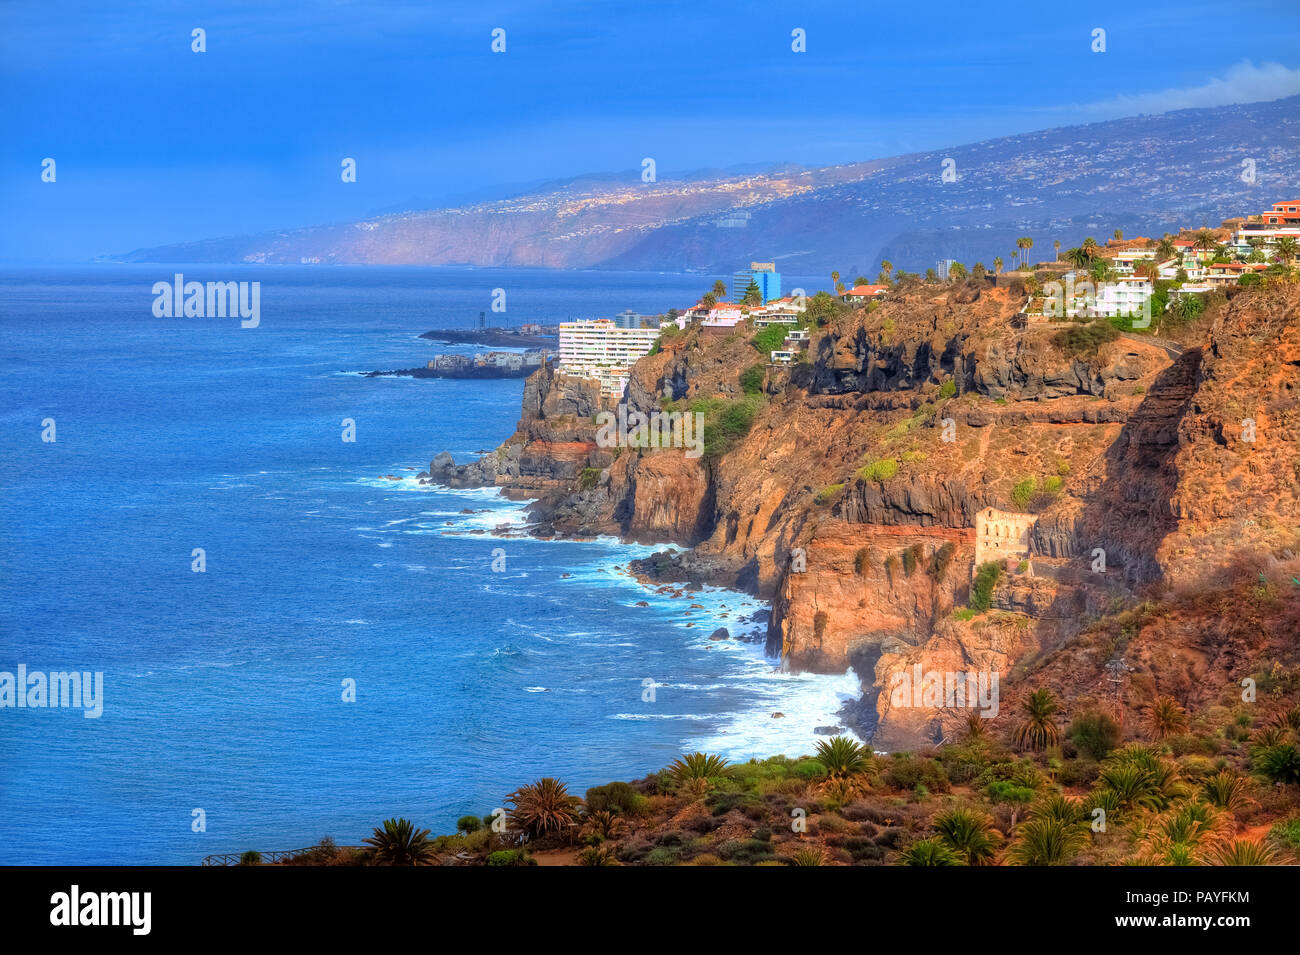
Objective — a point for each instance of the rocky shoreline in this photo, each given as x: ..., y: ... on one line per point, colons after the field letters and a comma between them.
x: 872, y: 459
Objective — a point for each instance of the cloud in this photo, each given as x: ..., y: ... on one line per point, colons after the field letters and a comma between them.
x: 1243, y: 83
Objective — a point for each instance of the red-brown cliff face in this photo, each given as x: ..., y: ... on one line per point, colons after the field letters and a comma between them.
x: 863, y: 465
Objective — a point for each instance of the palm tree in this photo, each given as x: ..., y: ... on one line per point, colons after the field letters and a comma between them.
x: 400, y: 843
x: 719, y: 290
x: 696, y: 766
x: 604, y: 822
x: 1025, y: 243
x: 835, y: 277
x: 956, y: 271
x: 929, y: 852
x: 1227, y: 791
x: 997, y: 265
x: 709, y: 300
x: 1038, y: 731
x: 1280, y: 764
x: 1243, y: 852
x: 1166, y: 248
x: 1189, y: 306
x: 1286, y: 248
x: 1078, y: 257
x: 1186, y: 835
x: 886, y: 266
x: 968, y: 833
x: 1138, y: 778
x: 1204, y: 240
x: 1119, y: 235
x: 843, y: 757
x: 543, y: 808
x: 597, y: 855
x: 1045, y: 840
x: 1066, y: 808
x: 1090, y: 247
x: 976, y: 726
x: 808, y: 855
x: 1056, y: 247
x: 1167, y: 718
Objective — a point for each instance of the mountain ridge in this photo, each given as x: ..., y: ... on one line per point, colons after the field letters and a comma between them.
x: 1143, y: 174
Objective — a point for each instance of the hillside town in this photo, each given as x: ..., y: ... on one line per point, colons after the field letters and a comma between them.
x: 1126, y: 281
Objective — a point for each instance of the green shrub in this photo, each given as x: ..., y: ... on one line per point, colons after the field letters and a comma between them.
x: 1008, y: 791
x: 1024, y: 492
x: 1052, y: 485
x: 468, y: 824
x: 664, y: 855
x: 726, y: 422
x: 809, y: 769
x: 1286, y: 833
x: 881, y: 470
x: 511, y: 857
x: 908, y: 771
x: 1085, y: 340
x: 948, y: 388
x: 826, y: 494
x: 1096, y: 733
x: 770, y: 339
x: 616, y: 797
x: 981, y: 591
x: 751, y: 379
x: 588, y: 478
x: 942, y: 559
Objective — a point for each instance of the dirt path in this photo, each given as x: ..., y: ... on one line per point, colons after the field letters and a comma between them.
x: 557, y: 857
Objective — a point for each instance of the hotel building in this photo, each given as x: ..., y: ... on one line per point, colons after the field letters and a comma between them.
x: 602, y: 350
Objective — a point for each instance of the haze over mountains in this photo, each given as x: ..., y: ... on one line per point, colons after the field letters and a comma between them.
x: 1145, y: 175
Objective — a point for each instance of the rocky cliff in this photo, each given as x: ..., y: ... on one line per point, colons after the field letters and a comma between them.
x: 846, y: 487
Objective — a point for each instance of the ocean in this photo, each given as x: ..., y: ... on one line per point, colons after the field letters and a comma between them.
x: 478, y: 662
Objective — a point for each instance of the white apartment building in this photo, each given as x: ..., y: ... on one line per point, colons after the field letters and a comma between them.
x: 1123, y: 297
x: 602, y: 350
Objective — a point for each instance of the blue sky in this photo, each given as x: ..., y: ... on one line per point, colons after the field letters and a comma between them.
x: 157, y: 144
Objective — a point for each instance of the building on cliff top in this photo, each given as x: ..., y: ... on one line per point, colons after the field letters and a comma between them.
x: 601, y: 350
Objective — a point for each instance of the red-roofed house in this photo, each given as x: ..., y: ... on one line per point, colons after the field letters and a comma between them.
x: 863, y: 293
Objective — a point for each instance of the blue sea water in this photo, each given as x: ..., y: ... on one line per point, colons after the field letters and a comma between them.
x: 223, y: 690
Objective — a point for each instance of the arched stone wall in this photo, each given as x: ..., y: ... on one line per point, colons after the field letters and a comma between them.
x: 1001, y: 534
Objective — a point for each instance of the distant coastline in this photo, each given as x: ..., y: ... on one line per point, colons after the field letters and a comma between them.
x: 474, y: 372
x: 498, y: 337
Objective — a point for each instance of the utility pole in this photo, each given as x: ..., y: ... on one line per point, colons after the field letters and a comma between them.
x: 1116, y: 671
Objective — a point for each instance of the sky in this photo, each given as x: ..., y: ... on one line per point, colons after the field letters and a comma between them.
x: 155, y: 143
